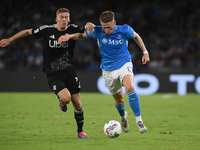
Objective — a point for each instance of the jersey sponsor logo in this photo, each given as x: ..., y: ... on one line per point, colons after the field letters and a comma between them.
x: 112, y: 42
x: 54, y: 44
x: 115, y: 42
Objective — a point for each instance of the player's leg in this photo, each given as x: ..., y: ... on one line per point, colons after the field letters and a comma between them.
x: 120, y: 105
x: 133, y: 97
x: 56, y: 83
x: 134, y: 101
x: 76, y: 101
x: 64, y: 99
x: 115, y: 87
x: 73, y: 85
x: 78, y: 112
x: 79, y: 116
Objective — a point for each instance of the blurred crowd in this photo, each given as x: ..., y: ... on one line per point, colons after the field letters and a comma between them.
x: 170, y: 30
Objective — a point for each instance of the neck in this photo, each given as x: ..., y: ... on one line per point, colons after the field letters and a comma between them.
x: 61, y: 28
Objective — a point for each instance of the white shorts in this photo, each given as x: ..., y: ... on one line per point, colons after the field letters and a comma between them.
x: 113, y: 78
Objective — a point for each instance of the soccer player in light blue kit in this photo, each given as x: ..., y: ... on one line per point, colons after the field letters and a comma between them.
x: 116, y: 62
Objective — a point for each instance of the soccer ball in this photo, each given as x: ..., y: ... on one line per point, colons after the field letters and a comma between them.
x: 112, y: 128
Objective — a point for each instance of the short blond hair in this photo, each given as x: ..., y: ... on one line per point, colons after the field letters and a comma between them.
x: 60, y: 10
x: 107, y: 16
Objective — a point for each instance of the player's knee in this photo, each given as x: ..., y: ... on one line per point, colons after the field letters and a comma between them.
x: 64, y: 96
x: 66, y: 99
x: 120, y: 102
x: 130, y: 88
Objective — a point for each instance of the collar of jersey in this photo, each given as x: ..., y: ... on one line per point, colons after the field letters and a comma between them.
x: 116, y: 27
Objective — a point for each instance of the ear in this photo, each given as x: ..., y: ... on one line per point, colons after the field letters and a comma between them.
x: 114, y: 22
x: 56, y: 19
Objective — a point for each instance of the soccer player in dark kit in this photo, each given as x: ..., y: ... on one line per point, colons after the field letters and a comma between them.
x: 57, y: 62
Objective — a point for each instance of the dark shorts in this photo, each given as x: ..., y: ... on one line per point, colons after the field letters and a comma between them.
x: 64, y: 79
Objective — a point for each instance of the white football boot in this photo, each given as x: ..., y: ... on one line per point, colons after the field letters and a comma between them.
x: 142, y: 128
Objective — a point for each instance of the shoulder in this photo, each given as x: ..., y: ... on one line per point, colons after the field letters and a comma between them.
x: 126, y: 30
x: 53, y: 26
x: 72, y: 26
x: 125, y: 27
x: 43, y: 28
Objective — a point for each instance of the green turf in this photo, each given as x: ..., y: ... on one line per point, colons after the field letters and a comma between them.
x: 33, y: 121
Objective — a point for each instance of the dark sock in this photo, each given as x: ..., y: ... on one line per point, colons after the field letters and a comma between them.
x: 78, y: 115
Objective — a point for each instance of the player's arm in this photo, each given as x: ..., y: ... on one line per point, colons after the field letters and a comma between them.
x: 140, y: 43
x: 78, y: 36
x: 21, y: 34
x: 75, y: 36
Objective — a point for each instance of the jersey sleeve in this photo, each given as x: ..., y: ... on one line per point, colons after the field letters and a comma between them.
x: 129, y: 31
x: 95, y: 33
x: 39, y: 32
x: 77, y: 29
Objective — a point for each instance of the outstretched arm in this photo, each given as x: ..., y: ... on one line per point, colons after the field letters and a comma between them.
x: 75, y: 36
x: 140, y: 43
x: 21, y: 34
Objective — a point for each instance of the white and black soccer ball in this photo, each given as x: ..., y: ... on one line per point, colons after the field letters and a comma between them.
x: 112, y: 128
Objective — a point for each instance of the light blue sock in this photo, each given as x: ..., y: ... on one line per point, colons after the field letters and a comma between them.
x: 121, y: 109
x: 134, y: 102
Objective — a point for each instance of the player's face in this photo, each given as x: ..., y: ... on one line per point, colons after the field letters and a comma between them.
x: 62, y: 20
x: 108, y: 27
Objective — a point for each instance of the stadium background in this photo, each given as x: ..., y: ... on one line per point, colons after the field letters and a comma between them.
x: 170, y: 30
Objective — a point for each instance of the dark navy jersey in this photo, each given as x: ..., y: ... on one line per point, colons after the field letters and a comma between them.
x: 56, y: 57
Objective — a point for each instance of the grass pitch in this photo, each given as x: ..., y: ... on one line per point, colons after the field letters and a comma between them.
x: 33, y: 121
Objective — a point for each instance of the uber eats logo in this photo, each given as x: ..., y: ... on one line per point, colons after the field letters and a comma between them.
x: 54, y: 43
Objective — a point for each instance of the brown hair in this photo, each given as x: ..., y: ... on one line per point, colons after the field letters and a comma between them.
x: 107, y: 16
x: 60, y: 10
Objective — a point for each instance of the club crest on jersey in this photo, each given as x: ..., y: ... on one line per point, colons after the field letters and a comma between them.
x: 119, y: 36
x: 104, y: 40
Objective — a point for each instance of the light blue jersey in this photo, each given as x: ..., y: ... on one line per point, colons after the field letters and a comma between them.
x: 113, y: 47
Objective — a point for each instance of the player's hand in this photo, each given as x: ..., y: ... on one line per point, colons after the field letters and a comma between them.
x: 89, y: 27
x: 145, y: 58
x: 4, y: 42
x: 63, y: 38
